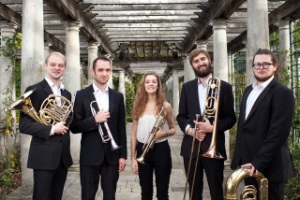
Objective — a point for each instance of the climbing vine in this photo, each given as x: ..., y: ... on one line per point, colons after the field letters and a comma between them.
x: 10, y: 161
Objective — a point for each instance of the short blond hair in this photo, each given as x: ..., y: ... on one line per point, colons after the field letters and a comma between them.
x: 57, y: 54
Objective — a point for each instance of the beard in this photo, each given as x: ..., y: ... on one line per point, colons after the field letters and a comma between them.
x: 205, y: 73
x: 262, y: 79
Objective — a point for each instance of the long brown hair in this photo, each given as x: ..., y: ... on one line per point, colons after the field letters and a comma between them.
x: 141, y: 98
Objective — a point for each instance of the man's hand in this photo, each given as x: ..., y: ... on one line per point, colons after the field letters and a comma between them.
x: 60, y: 128
x: 102, y: 116
x: 252, y: 168
x: 205, y: 127
x: 122, y: 164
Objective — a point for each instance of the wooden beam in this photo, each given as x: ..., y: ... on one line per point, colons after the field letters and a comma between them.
x: 281, y: 12
x: 284, y: 10
x: 10, y: 16
x: 14, y: 17
x: 56, y: 44
x: 74, y: 11
x: 179, y: 6
x: 213, y: 13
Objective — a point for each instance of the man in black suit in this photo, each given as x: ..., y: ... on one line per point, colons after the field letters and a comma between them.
x: 265, y: 120
x: 49, y: 154
x: 192, y: 102
x: 96, y: 157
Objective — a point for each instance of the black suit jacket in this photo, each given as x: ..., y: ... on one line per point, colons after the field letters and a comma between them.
x: 45, y: 150
x: 262, y: 137
x: 189, y: 107
x: 93, y: 149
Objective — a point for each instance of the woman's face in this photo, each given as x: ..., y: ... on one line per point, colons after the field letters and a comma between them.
x: 151, y: 84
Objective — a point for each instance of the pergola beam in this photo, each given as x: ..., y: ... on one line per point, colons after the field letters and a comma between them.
x: 130, y: 2
x: 280, y: 13
x: 139, y: 6
x: 76, y: 13
x: 13, y: 17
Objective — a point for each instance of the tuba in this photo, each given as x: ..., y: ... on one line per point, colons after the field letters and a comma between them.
x: 54, y: 109
x: 105, y: 137
x: 211, y: 112
x: 159, y: 123
x: 231, y: 188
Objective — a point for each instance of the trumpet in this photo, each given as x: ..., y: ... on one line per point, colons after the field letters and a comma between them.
x: 159, y: 123
x: 105, y: 137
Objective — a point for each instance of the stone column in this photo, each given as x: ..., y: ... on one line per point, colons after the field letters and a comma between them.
x: 229, y: 68
x: 122, y: 87
x: 92, y: 55
x: 188, y: 71
x: 284, y: 41
x: 47, y: 46
x: 71, y: 78
x: 32, y: 70
x: 220, y: 49
x: 175, y: 92
x: 110, y: 81
x: 257, y: 33
x: 7, y: 30
x: 201, y: 44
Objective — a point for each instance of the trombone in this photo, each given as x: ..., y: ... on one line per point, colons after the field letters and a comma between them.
x: 109, y: 136
x: 211, y: 111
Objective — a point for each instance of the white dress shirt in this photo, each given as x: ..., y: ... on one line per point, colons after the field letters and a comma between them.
x: 102, y: 98
x: 202, y: 93
x: 56, y: 89
x: 254, y: 94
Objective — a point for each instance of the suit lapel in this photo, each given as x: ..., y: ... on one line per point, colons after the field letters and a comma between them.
x: 244, y: 102
x: 110, y: 99
x: 260, y: 98
x: 195, y: 97
x: 91, y: 91
x: 47, y: 87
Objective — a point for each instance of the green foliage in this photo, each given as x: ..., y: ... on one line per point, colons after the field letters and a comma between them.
x: 137, y: 78
x: 10, y: 161
x: 292, y: 187
x: 130, y: 97
x: 116, y: 83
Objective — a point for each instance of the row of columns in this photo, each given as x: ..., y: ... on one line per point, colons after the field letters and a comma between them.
x: 33, y: 53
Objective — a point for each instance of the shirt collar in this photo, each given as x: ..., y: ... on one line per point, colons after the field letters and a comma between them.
x: 206, y: 81
x: 263, y: 85
x: 62, y: 87
x: 96, y: 89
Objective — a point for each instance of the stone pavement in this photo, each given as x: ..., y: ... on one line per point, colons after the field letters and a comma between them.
x: 128, y: 185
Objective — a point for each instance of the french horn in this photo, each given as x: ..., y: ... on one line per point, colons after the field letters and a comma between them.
x: 54, y: 109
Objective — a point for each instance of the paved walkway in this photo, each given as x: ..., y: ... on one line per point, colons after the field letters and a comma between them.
x: 128, y: 185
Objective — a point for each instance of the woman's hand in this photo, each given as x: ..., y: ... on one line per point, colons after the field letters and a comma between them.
x: 134, y: 166
x: 159, y: 134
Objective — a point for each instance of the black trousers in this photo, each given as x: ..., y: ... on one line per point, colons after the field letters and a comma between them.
x: 214, y: 173
x: 276, y: 189
x: 158, y: 160
x: 89, y: 178
x: 49, y: 184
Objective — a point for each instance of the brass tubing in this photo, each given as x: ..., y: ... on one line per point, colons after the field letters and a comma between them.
x: 192, y: 150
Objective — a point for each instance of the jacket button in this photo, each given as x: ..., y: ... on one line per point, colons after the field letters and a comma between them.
x: 60, y: 140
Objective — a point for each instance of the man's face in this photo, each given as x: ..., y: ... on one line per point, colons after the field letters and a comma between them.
x: 102, y: 71
x: 262, y: 74
x: 201, y: 66
x: 55, y: 67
